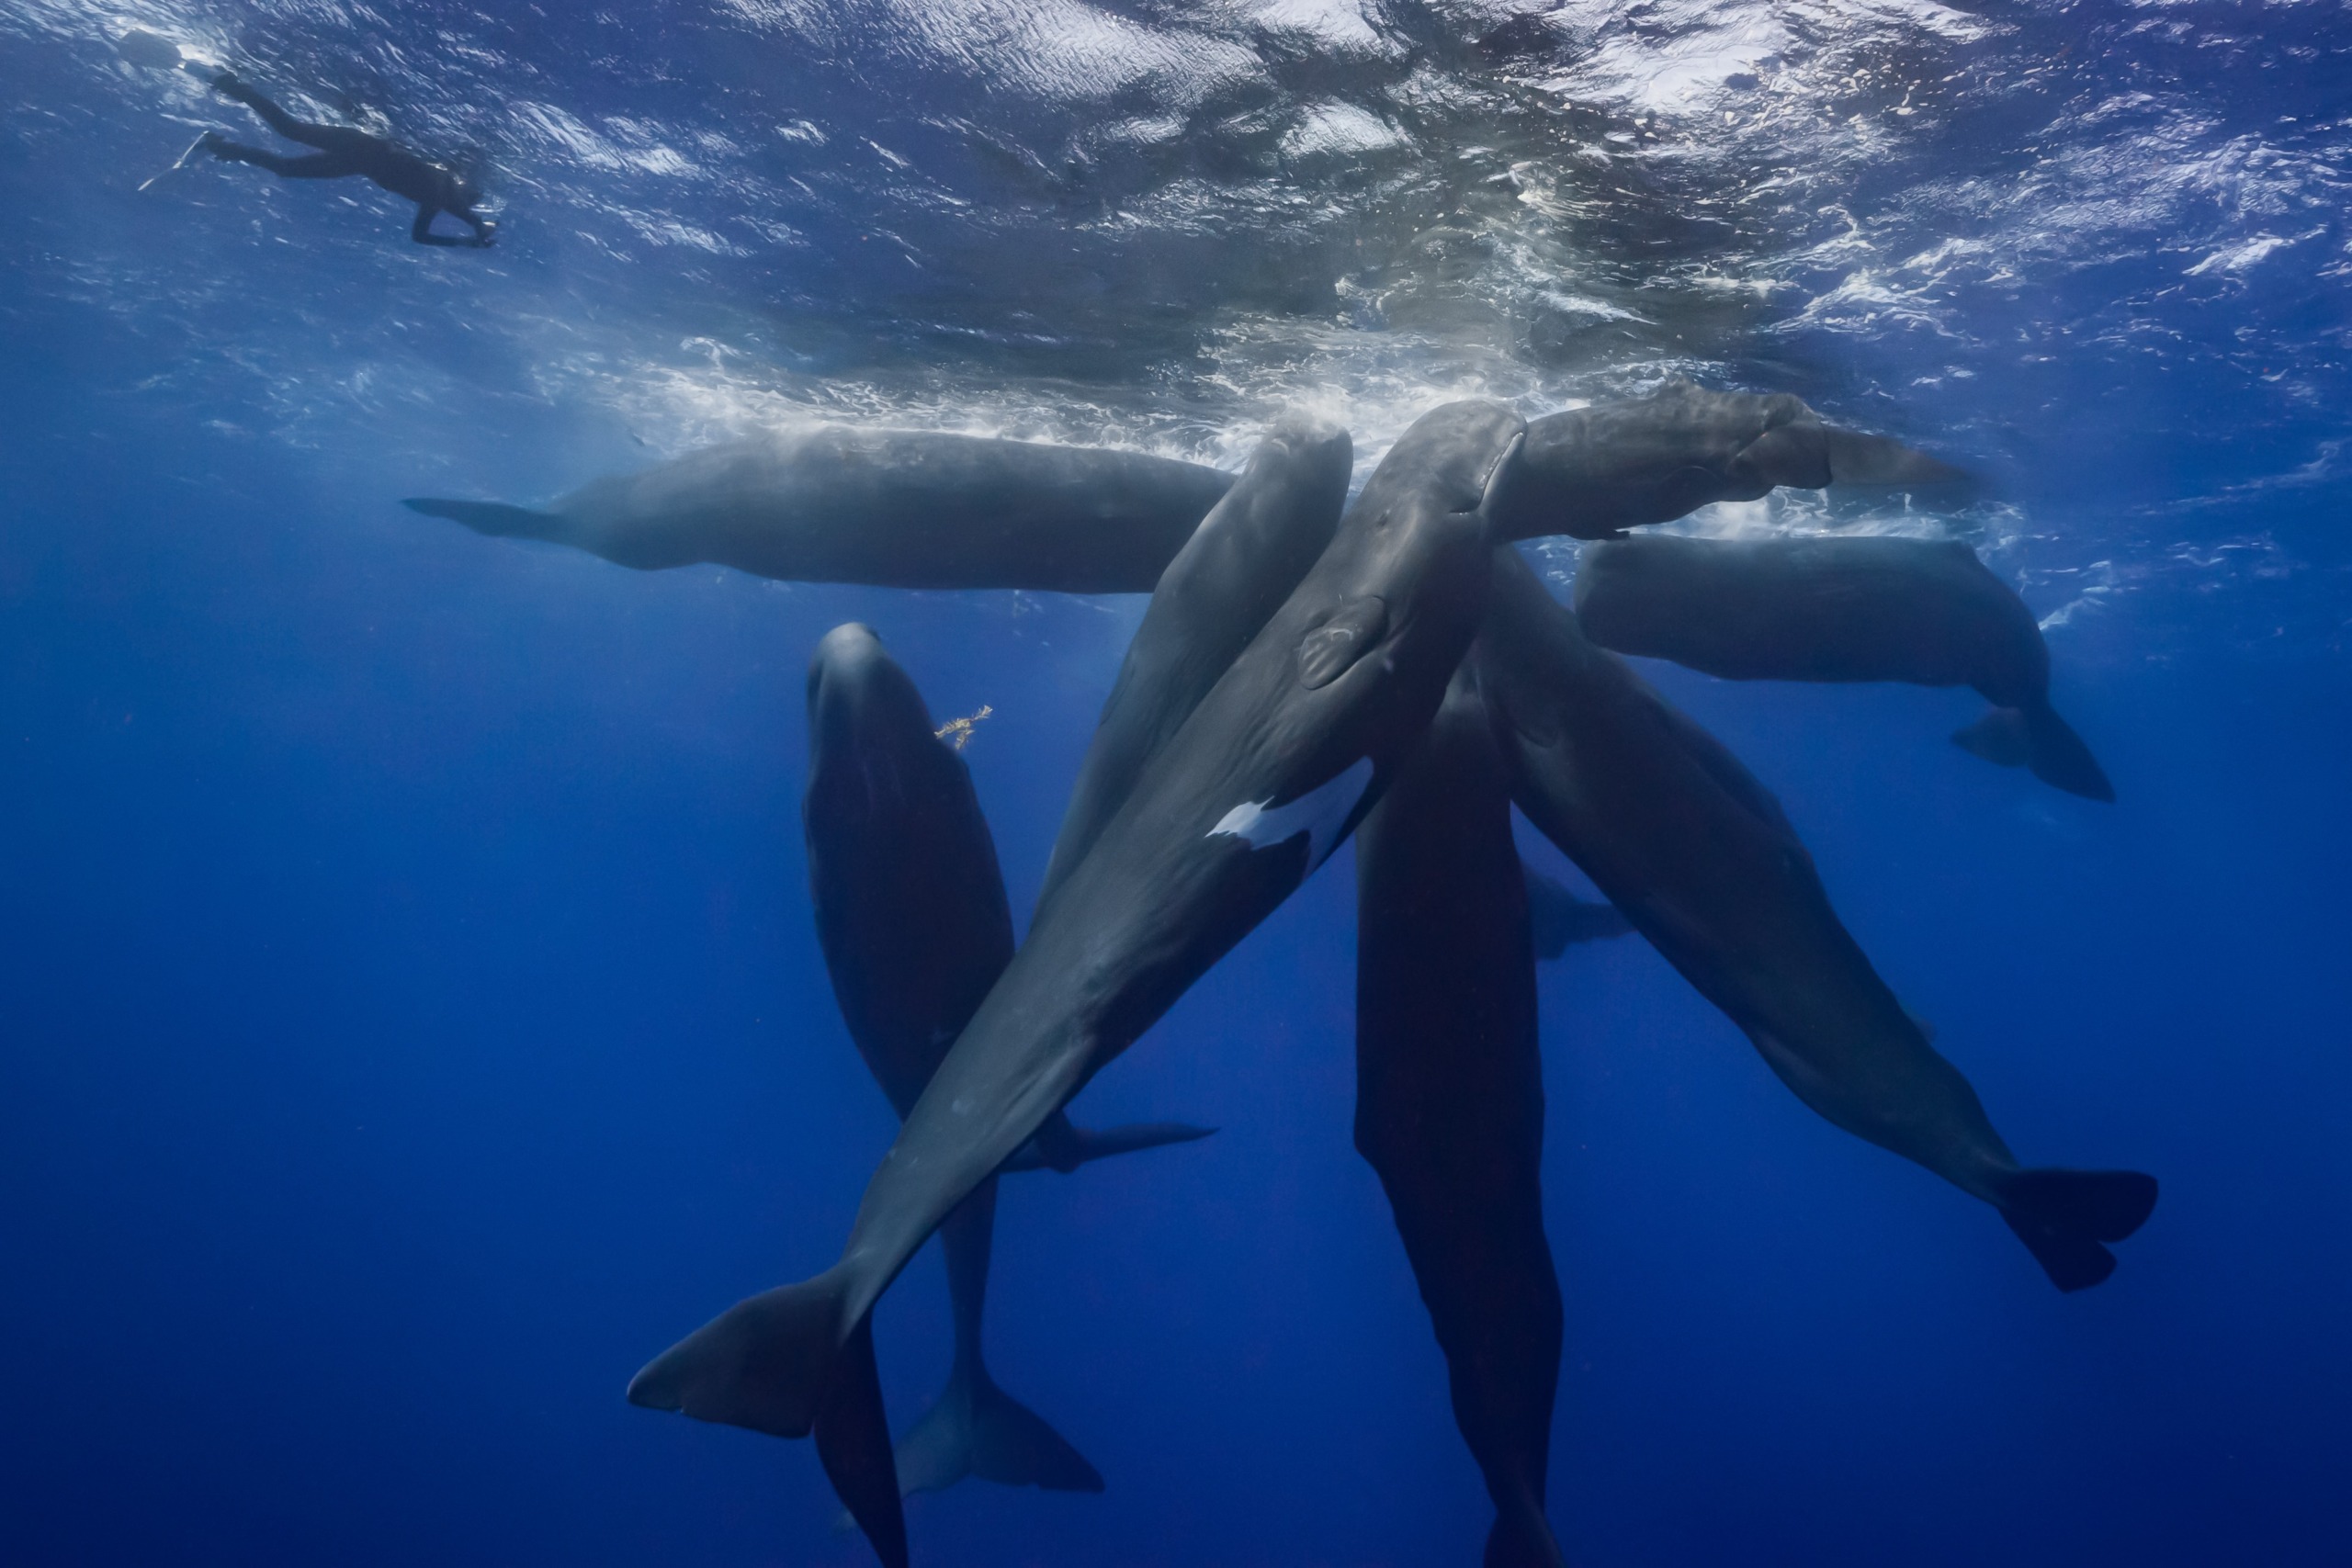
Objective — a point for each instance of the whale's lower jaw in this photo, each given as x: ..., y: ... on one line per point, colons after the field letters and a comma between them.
x: 1320, y: 814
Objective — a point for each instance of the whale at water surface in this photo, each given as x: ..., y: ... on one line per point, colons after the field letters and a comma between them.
x: 914, y: 509
x: 892, y: 508
x: 1594, y: 472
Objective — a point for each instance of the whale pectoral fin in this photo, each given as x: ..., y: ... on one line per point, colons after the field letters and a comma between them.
x: 2063, y: 1216
x: 495, y: 518
x: 1089, y: 1143
x: 2058, y: 757
x: 1859, y: 460
x: 2035, y: 737
x: 1999, y: 737
x: 854, y: 1444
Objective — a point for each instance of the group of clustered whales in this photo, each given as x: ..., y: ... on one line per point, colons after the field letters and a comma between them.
x: 1309, y: 668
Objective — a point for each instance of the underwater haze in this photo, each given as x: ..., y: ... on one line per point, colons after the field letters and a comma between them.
x: 414, y: 1017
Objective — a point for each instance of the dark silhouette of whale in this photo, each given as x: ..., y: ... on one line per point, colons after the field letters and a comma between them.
x: 912, y: 918
x: 1450, y: 1098
x: 1594, y: 472
x: 1235, y: 571
x: 894, y: 508
x: 1698, y: 855
x: 1263, y: 780
x: 1923, y: 611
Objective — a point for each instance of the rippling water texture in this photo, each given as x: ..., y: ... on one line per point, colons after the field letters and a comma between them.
x: 414, y: 1019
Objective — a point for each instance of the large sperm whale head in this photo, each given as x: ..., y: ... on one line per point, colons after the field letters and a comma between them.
x: 860, y: 702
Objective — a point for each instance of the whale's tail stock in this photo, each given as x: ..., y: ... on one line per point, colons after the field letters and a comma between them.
x: 2035, y: 737
x: 495, y: 518
x: 1061, y: 1144
x: 778, y: 1363
x: 2064, y: 1217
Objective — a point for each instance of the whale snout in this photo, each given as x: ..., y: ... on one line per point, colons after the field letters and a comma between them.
x: 858, y: 696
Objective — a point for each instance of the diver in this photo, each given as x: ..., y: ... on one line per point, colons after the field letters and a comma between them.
x: 343, y: 150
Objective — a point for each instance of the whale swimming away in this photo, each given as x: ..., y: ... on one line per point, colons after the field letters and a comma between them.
x: 912, y: 918
x: 1698, y: 855
x: 1922, y: 611
x: 1450, y: 1098
x: 1351, y: 668
x: 894, y: 508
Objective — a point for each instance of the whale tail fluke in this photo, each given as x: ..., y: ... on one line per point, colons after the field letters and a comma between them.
x: 1523, y: 1537
x: 778, y: 1363
x: 763, y: 1363
x: 2064, y: 1217
x: 2037, y: 738
x: 854, y: 1443
x: 495, y: 518
x: 977, y: 1428
x: 1061, y: 1144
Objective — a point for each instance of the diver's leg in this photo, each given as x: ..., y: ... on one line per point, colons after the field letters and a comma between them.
x: 228, y: 85
x: 310, y: 166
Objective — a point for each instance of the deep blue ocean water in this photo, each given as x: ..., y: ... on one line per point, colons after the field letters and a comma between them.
x: 412, y: 1016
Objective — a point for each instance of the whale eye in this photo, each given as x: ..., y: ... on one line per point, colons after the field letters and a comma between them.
x: 1325, y: 653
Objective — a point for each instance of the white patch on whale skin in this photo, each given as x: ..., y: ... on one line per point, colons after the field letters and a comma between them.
x: 1319, y: 813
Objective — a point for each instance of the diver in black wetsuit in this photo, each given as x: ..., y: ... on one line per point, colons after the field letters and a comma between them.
x: 343, y: 150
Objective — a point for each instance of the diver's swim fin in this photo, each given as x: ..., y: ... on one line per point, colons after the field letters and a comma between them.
x: 177, y: 164
x: 1061, y: 1144
x: 2037, y: 738
x: 495, y: 518
x: 2063, y: 1216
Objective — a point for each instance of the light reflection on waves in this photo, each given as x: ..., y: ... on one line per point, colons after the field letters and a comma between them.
x: 1155, y: 222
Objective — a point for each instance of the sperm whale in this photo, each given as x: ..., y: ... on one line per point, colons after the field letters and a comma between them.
x: 1866, y: 608
x: 1335, y: 687
x: 1700, y: 859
